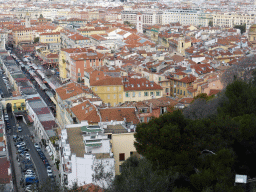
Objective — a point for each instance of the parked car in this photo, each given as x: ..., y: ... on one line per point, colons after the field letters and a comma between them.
x: 19, y: 144
x: 49, y: 174
x: 19, y: 129
x: 31, y: 180
x: 29, y: 171
x: 36, y: 145
x: 49, y: 169
x: 38, y: 149
x: 27, y: 156
x: 23, y: 148
x: 15, y: 137
x: 30, y: 188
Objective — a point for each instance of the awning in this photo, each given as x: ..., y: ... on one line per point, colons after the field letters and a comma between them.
x: 30, y: 119
x: 94, y: 145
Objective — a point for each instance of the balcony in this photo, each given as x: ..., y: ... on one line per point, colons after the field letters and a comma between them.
x: 67, y: 168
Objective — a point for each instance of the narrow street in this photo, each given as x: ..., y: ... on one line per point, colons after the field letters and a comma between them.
x: 28, y: 136
x: 36, y: 160
x: 3, y: 87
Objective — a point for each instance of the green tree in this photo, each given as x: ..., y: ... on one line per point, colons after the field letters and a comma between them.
x: 36, y: 39
x: 210, y: 23
x: 241, y: 99
x: 203, y: 96
x: 241, y: 27
x: 165, y: 142
x: 139, y: 175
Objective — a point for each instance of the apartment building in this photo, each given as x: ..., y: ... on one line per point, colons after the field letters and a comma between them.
x: 88, y: 31
x: 117, y: 90
x: 49, y: 37
x: 74, y: 61
x: 69, y: 96
x: 149, y: 17
x: 231, y: 19
x: 140, y: 89
x: 80, y: 62
x: 84, y: 150
x: 110, y: 90
x: 184, y: 17
x: 64, y: 61
x: 179, y: 84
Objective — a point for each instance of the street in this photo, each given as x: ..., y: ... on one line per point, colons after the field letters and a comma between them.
x: 40, y: 168
x: 3, y: 87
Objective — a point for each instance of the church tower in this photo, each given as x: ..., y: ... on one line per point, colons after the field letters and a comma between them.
x: 139, y: 23
x: 181, y: 45
x: 27, y: 21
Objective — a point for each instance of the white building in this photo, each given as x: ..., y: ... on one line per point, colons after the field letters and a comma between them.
x: 84, y: 149
x: 149, y: 17
x: 184, y: 17
x: 44, y: 122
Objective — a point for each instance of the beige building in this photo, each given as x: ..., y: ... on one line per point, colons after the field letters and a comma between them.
x: 50, y: 37
x: 231, y: 19
x: 252, y: 35
x: 122, y: 148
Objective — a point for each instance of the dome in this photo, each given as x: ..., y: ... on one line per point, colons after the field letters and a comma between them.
x: 252, y: 29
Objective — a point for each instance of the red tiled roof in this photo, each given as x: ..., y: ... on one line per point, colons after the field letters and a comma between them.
x: 4, y: 166
x: 134, y: 84
x: 214, y: 92
x: 119, y: 114
x: 108, y: 81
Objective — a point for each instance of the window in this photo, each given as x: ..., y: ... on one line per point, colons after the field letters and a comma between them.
x: 131, y: 153
x: 121, y: 156
x: 145, y: 93
x: 133, y: 94
x: 148, y: 119
x: 108, y: 89
x: 184, y: 93
x: 158, y: 93
x: 84, y: 65
x: 178, y: 91
x: 184, y: 84
x: 127, y: 94
x: 159, y: 78
x: 142, y: 119
x: 151, y: 93
x: 120, y: 168
x: 110, y: 136
x: 79, y: 74
x: 114, y: 88
x: 95, y: 89
x: 139, y: 94
x: 120, y: 96
x: 114, y: 96
x: 108, y: 96
x: 119, y: 88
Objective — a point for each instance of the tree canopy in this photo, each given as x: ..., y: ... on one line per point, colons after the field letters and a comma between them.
x: 205, y: 151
